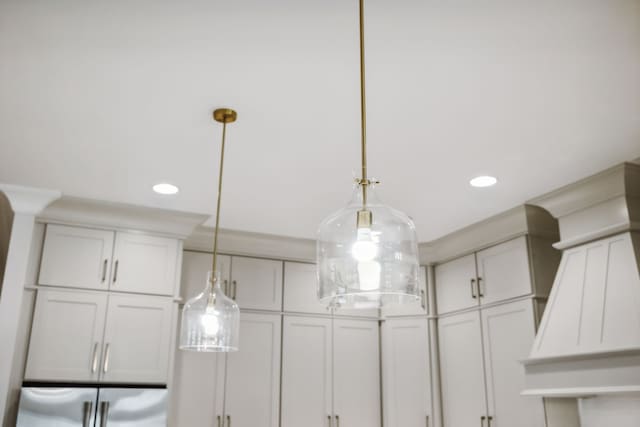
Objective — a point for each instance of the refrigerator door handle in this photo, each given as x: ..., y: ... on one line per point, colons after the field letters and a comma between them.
x: 104, y: 413
x: 87, y: 411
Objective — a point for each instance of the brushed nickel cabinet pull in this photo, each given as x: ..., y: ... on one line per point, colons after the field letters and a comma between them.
x: 473, y: 288
x: 104, y: 413
x: 87, y: 411
x: 115, y: 271
x: 423, y: 299
x: 94, y: 358
x: 235, y: 289
x: 107, y: 354
x: 104, y: 271
x: 480, y: 293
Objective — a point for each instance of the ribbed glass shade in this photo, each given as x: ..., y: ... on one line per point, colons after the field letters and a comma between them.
x: 368, y: 266
x: 210, y: 320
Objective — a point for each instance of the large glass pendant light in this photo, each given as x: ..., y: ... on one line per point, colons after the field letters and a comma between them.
x: 211, y: 320
x: 367, y: 253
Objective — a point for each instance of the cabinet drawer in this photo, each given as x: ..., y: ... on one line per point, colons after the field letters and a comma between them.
x: 76, y: 257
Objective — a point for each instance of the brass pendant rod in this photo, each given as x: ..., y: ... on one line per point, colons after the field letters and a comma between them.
x: 215, y: 231
x: 363, y: 109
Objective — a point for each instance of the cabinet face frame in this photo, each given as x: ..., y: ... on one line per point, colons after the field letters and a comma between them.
x: 89, y: 251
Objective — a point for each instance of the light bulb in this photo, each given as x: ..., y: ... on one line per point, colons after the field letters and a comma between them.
x: 210, y: 321
x: 365, y: 248
x: 369, y: 275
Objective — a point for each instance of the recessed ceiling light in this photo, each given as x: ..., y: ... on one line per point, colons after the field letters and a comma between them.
x: 165, y: 188
x: 483, y: 181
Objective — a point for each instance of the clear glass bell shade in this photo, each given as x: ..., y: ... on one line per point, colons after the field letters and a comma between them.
x: 370, y: 266
x: 210, y: 320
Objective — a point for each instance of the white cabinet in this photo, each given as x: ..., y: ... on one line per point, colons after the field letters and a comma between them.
x: 240, y: 389
x: 480, y: 354
x: 455, y: 284
x: 508, y: 331
x: 195, y: 268
x: 307, y: 380
x: 406, y: 374
x: 76, y: 257
x: 330, y: 374
x: 252, y: 390
x: 503, y: 271
x: 144, y: 264
x: 462, y: 370
x: 101, y: 259
x: 356, y: 370
x: 301, y: 289
x: 256, y: 283
x: 94, y: 336
x: 66, y: 336
x: 137, y: 339
x: 416, y: 308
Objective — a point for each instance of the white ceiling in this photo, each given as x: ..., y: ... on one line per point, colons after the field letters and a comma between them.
x: 102, y: 99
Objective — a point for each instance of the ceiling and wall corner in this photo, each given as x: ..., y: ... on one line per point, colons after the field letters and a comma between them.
x: 104, y: 99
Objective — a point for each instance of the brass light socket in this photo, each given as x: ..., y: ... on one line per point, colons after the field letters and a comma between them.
x: 364, y: 219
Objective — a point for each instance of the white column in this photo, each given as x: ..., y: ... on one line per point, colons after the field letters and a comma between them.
x: 26, y: 203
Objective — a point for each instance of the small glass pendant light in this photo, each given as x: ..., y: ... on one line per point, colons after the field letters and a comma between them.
x: 367, y: 253
x: 211, y: 320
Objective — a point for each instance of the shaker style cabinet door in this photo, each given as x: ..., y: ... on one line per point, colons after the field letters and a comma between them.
x: 256, y: 283
x: 76, y: 257
x: 307, y: 384
x: 195, y: 268
x: 252, y: 389
x: 417, y: 308
x: 66, y: 336
x: 509, y: 331
x: 503, y: 271
x: 136, y: 339
x: 356, y: 373
x: 456, y: 284
x: 301, y: 289
x: 462, y: 370
x: 406, y: 373
x: 144, y: 264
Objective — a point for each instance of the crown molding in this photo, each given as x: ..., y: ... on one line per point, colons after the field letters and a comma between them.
x: 28, y: 200
x: 234, y: 242
x: 518, y: 221
x: 102, y: 214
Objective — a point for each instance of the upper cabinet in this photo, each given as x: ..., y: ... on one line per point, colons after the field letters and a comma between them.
x: 417, y: 308
x: 499, y: 273
x: 256, y: 283
x: 195, y: 267
x: 144, y: 264
x: 300, y: 289
x: 76, y: 257
x: 100, y: 259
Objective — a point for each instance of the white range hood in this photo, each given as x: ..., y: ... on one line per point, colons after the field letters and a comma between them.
x: 588, y: 343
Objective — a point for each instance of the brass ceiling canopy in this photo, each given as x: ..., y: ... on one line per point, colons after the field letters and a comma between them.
x: 225, y: 115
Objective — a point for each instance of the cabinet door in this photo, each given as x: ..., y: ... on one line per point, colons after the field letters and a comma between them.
x: 416, y: 308
x: 256, y: 283
x: 144, y: 264
x: 455, y: 284
x: 406, y: 373
x: 66, y: 336
x: 300, y: 289
x: 252, y: 390
x: 198, y: 389
x: 137, y: 337
x: 196, y: 267
x: 508, y: 332
x: 503, y: 271
x: 356, y: 373
x: 76, y: 257
x: 462, y: 370
x: 306, y: 372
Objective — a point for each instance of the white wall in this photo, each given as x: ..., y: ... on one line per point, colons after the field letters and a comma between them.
x: 6, y: 221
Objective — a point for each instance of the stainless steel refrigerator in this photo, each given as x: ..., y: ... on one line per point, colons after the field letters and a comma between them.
x: 92, y: 407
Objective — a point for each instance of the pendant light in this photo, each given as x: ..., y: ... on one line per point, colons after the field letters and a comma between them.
x: 367, y: 253
x: 210, y: 320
